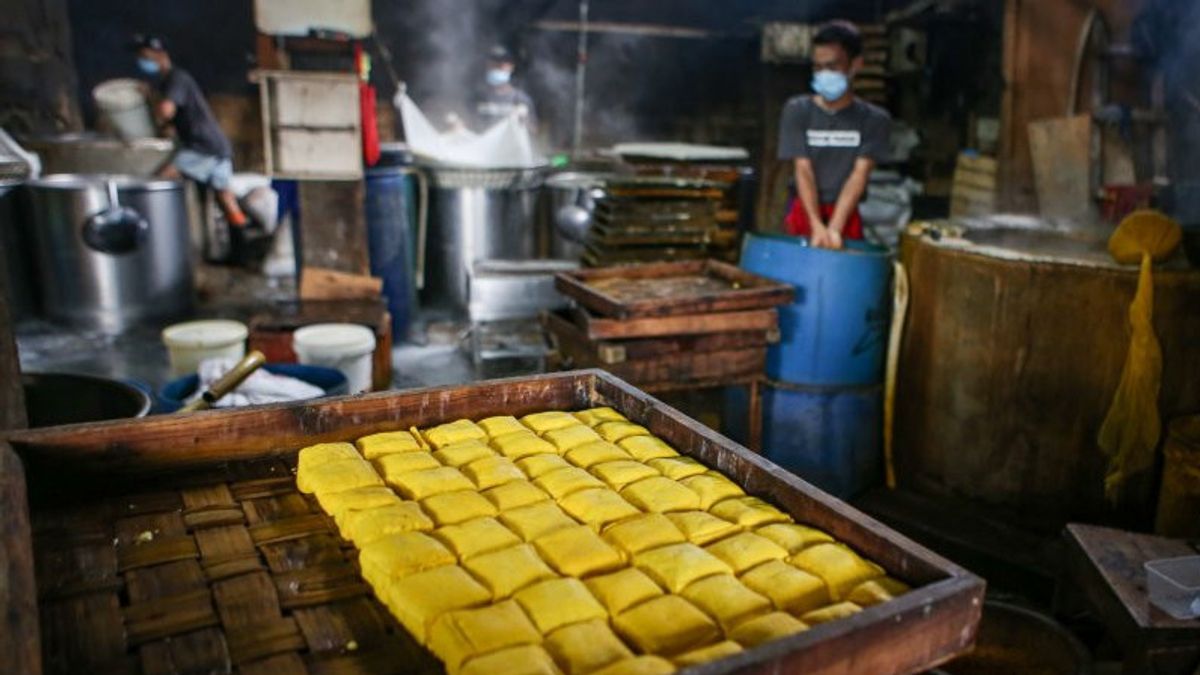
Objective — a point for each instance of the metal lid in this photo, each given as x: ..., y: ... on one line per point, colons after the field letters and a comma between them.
x: 83, y: 181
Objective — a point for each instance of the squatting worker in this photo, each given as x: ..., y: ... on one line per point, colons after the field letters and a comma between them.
x: 834, y: 139
x: 204, y: 154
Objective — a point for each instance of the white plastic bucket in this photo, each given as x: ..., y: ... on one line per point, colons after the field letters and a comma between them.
x: 190, y: 343
x: 345, y: 346
x: 123, y: 104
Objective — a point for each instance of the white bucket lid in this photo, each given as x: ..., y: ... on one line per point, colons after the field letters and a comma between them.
x: 205, y: 334
x: 335, y: 338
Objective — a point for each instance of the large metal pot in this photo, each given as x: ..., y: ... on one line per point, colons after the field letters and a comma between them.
x: 111, y: 251
x: 475, y: 215
x: 568, y: 203
x: 52, y: 399
x: 90, y: 152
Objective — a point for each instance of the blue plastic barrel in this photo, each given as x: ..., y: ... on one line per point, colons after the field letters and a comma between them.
x: 835, y: 331
x: 389, y: 235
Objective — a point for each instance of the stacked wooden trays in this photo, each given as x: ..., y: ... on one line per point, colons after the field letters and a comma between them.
x: 180, y: 543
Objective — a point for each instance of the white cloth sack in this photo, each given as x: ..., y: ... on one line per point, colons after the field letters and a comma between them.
x: 506, y: 145
x: 261, y: 387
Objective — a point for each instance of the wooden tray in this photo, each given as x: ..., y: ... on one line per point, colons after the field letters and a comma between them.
x: 239, y: 572
x: 668, y: 289
x: 607, y: 352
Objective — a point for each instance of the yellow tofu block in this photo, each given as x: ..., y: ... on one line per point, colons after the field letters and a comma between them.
x: 449, y: 508
x: 457, y: 636
x: 324, y: 453
x: 578, y: 552
x: 562, y: 482
x: 595, y: 452
x: 515, y: 495
x: 430, y: 482
x: 391, y: 466
x: 461, y: 454
x: 364, y: 527
x: 454, y: 432
x: 621, y: 590
x: 522, y: 444
x: 535, y: 520
x: 387, y: 443
x: 338, y: 476
x: 712, y: 487
x: 418, y: 599
x: 555, y: 603
x: 622, y: 472
x: 492, y: 471
x: 549, y: 421
x: 833, y: 612
x: 766, y: 628
x: 746, y: 550
x: 677, y: 566
x: 540, y: 465
x: 597, y: 507
x: 615, y: 431
x: 338, y: 503
x: 677, y: 468
x: 501, y: 425
x: 508, y: 570
x: 841, y: 568
x: 646, y: 448
x: 666, y: 625
x: 727, y: 600
x: 398, y: 555
x: 569, y: 437
x: 706, y: 654
x: 582, y: 648
x: 644, y: 532
x: 702, y: 528
x: 523, y: 660
x: 594, y: 416
x: 790, y: 589
x: 749, y: 512
x: 792, y: 537
x: 475, y: 537
x: 875, y: 591
x: 660, y: 495
x: 638, y: 665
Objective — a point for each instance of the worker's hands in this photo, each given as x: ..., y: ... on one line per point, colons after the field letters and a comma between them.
x: 820, y: 235
x: 834, y: 239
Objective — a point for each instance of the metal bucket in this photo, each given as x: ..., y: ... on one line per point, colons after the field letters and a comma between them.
x: 14, y: 237
x: 476, y: 215
x: 111, y: 251
x: 1013, y: 639
x: 52, y: 399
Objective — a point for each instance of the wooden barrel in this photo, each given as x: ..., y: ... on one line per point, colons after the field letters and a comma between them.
x: 1013, y: 347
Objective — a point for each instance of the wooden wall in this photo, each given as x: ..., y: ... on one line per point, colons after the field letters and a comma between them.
x: 37, y: 71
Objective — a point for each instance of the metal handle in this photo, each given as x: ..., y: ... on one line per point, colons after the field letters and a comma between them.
x: 227, y: 382
x: 117, y: 230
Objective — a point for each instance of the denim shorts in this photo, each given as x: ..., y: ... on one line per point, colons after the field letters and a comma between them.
x: 210, y: 170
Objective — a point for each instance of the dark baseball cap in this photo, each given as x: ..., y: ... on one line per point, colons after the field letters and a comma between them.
x: 145, y: 41
x: 500, y: 54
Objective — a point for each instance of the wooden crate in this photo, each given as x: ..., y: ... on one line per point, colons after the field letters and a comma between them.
x: 245, y: 572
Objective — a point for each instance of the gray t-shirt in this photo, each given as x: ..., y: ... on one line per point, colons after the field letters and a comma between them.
x: 194, y: 122
x: 496, y: 104
x: 832, y: 141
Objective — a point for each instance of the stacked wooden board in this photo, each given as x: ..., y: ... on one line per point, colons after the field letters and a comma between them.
x: 647, y: 219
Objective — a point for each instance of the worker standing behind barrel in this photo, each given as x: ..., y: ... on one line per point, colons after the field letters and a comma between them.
x: 834, y: 139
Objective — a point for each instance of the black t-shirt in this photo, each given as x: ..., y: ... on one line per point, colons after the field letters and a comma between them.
x: 194, y: 122
x: 833, y: 141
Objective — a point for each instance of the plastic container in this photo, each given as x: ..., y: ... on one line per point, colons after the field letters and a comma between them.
x: 123, y: 104
x: 835, y: 331
x: 194, y: 341
x: 1174, y: 585
x: 345, y: 346
x: 390, y: 223
x: 172, y: 396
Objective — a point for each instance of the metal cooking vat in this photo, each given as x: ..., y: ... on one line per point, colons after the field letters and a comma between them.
x: 110, y: 251
x: 567, y: 200
x: 476, y: 215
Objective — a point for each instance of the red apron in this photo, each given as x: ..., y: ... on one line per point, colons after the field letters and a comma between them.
x: 798, y: 225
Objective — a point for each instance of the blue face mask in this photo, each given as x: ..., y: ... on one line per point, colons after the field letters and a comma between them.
x: 498, y: 76
x: 148, y: 66
x: 830, y: 84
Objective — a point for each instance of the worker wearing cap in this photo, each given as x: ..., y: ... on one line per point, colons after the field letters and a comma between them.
x: 204, y: 154
x: 500, y: 98
x: 834, y: 139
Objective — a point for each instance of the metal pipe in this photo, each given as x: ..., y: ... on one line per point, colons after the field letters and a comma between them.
x: 580, y: 78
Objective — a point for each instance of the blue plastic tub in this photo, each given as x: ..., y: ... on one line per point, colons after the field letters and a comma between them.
x: 390, y: 199
x: 835, y: 331
x: 172, y: 396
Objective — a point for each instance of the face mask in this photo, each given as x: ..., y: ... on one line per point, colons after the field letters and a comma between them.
x: 498, y: 76
x: 148, y: 66
x: 830, y: 84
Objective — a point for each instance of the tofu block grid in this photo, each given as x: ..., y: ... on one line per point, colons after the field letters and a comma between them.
x: 576, y: 542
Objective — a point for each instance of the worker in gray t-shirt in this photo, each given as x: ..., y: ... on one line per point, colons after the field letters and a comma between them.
x: 834, y: 139
x: 500, y: 98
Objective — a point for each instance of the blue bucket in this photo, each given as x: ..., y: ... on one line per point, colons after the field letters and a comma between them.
x: 835, y: 331
x: 172, y: 396
x: 390, y: 205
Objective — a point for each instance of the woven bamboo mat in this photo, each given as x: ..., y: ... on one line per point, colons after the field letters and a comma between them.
x: 242, y: 574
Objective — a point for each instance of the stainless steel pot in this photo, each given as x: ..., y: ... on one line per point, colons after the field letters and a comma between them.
x: 568, y: 202
x: 111, y: 251
x: 14, y: 239
x: 476, y: 215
